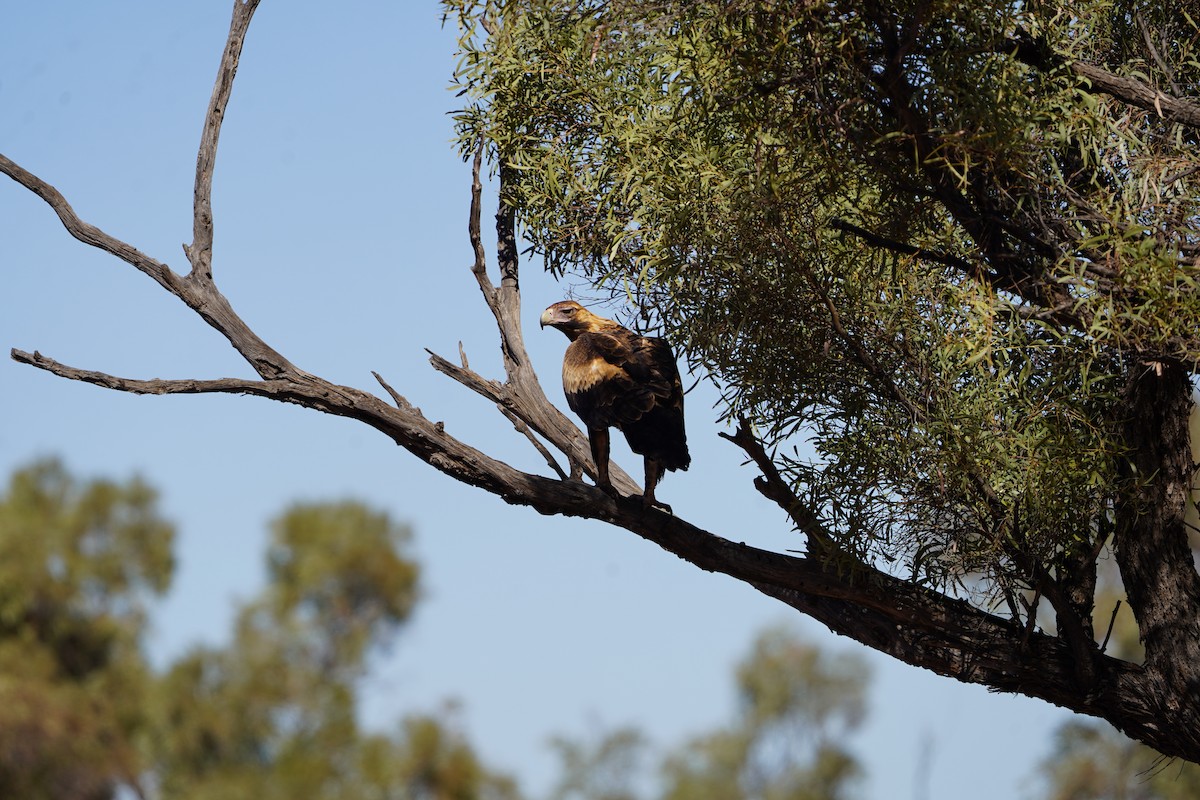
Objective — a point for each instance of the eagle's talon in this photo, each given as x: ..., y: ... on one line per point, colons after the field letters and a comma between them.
x: 650, y: 502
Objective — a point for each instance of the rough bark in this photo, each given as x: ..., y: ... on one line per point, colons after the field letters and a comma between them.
x: 1155, y: 703
x: 1152, y: 548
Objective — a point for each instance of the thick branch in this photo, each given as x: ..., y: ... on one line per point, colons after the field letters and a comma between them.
x: 916, y: 625
x: 1151, y: 540
x: 1138, y: 94
x: 1128, y: 90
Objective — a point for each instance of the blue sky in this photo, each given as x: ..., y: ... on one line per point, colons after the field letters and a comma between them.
x: 340, y: 237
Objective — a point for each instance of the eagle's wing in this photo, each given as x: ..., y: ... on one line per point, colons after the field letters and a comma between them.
x: 659, y: 432
x: 615, y: 378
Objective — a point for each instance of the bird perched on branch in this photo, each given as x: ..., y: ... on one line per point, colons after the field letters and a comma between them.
x: 615, y: 378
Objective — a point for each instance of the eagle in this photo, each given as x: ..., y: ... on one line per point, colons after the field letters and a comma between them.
x: 615, y: 378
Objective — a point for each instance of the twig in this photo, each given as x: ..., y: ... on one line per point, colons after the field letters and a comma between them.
x: 875, y: 240
x: 1158, y: 59
x: 397, y: 398
x: 522, y: 428
x: 474, y: 231
x: 773, y: 487
x: 1111, y: 621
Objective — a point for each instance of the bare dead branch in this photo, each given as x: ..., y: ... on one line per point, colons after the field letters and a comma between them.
x: 521, y: 394
x: 197, y: 290
x: 399, y: 399
x: 200, y: 251
x: 524, y: 429
x: 90, y: 234
x: 540, y: 416
x: 155, y: 386
x: 479, y: 267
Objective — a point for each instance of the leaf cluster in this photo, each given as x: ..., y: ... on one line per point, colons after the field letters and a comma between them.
x: 906, y: 240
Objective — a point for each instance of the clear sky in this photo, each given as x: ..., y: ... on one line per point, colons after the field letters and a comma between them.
x: 340, y: 237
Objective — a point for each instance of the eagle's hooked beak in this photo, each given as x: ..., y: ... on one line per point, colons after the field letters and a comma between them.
x: 547, y: 318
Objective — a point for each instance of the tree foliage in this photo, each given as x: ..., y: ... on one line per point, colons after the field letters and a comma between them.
x: 875, y: 226
x: 271, y: 714
x: 941, y: 258
x: 78, y: 563
x: 797, y: 705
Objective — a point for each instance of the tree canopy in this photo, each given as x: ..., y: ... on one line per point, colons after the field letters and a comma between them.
x: 949, y: 250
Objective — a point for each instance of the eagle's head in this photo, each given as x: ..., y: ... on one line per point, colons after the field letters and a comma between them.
x: 571, y: 318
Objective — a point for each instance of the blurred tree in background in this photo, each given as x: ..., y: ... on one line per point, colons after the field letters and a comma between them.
x: 272, y: 713
x: 796, y: 708
x: 269, y: 715
x: 78, y: 563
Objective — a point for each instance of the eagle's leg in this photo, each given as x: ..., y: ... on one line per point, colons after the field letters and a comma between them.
x: 598, y: 439
x: 654, y: 473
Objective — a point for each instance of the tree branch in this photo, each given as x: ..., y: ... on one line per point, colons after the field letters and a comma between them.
x: 155, y: 386
x: 936, y: 256
x: 200, y: 251
x: 521, y: 394
x: 90, y: 234
x: 1139, y: 95
x: 1035, y: 53
x: 773, y: 487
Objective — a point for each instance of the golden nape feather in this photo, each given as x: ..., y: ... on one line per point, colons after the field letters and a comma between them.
x: 615, y: 378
